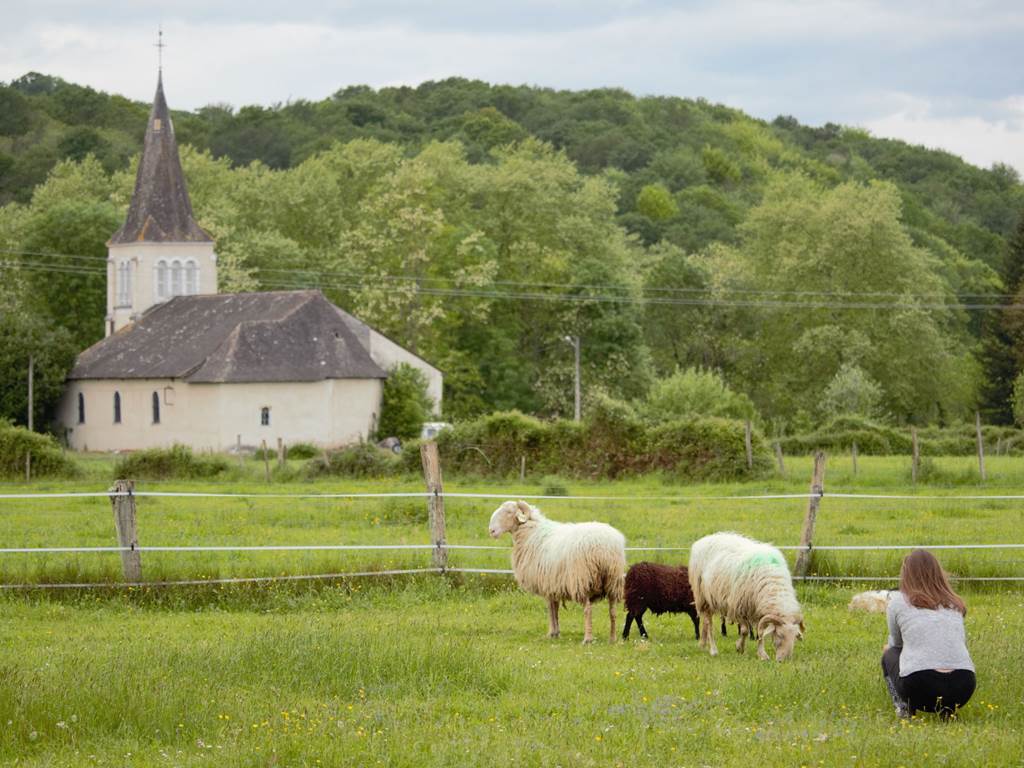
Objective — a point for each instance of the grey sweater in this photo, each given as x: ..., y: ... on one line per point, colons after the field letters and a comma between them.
x: 931, y: 639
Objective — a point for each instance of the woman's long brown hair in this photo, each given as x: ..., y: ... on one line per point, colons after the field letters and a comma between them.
x: 925, y: 584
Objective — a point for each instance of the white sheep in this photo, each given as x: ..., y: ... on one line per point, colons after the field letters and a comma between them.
x: 582, y: 562
x: 748, y: 583
x: 872, y: 601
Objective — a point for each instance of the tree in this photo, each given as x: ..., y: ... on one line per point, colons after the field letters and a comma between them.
x: 23, y: 333
x: 656, y: 203
x: 696, y: 392
x: 835, y: 250
x: 1002, y: 341
x: 851, y: 391
x: 405, y: 404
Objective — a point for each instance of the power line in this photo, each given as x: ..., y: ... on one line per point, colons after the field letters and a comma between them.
x: 580, y: 298
x: 421, y: 280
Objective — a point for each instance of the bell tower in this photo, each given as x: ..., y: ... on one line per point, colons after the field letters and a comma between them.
x: 160, y: 251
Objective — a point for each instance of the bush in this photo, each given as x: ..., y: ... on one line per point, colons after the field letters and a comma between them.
x: 174, y: 463
x: 611, y: 442
x: 708, y: 449
x: 359, y: 461
x: 48, y: 460
x: 405, y: 404
x: 696, y: 392
x: 302, y: 451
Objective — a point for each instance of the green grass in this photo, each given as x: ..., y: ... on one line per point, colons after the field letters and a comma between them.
x: 456, y: 670
x: 645, y: 521
x: 439, y: 672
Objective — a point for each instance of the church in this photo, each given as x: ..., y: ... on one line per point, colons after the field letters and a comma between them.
x: 183, y: 364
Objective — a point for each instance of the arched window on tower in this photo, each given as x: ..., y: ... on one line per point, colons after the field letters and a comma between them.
x: 124, y: 284
x: 191, y: 278
x: 117, y: 407
x: 162, y: 291
x: 81, y: 408
x: 176, y: 288
x: 156, y: 408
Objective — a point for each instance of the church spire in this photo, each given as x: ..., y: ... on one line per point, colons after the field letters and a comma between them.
x: 160, y: 210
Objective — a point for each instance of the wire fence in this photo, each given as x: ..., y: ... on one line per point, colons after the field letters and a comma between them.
x: 443, y: 547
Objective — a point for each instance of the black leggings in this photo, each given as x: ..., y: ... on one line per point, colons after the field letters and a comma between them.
x: 928, y: 690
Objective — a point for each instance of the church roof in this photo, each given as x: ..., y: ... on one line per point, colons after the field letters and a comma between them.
x: 275, y: 336
x: 160, y: 210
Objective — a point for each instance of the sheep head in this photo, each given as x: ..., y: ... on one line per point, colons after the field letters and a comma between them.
x: 508, y: 517
x: 784, y: 630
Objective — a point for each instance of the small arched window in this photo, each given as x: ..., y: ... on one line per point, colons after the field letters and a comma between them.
x: 81, y: 408
x: 161, y: 279
x: 156, y: 408
x: 176, y: 278
x: 117, y: 407
x: 191, y: 278
x: 264, y: 416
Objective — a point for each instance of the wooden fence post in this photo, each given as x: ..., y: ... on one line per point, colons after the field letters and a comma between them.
x: 435, y: 504
x: 238, y: 450
x: 915, y: 455
x: 748, y: 445
x: 778, y: 458
x: 803, y: 559
x: 266, y: 460
x: 127, y: 534
x: 28, y: 466
x: 981, y: 445
x: 522, y: 467
x: 853, y: 453
x: 280, y: 452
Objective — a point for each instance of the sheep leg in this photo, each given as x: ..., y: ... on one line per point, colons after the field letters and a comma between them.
x: 611, y: 619
x: 640, y: 624
x: 588, y: 624
x: 629, y: 623
x: 741, y: 644
x: 723, y: 627
x: 708, y: 633
x: 696, y: 624
x: 552, y: 618
x: 762, y: 654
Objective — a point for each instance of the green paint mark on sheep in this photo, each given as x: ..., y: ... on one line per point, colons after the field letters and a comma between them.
x: 764, y: 558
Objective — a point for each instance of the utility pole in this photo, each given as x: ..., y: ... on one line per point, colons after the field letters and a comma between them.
x: 575, y: 342
x: 31, y: 371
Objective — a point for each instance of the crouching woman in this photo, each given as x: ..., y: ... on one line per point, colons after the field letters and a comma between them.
x: 926, y: 663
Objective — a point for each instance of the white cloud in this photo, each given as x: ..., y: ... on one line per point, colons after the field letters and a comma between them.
x: 979, y: 140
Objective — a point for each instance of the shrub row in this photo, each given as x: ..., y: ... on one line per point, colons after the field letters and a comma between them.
x: 882, y: 440
x: 176, y: 462
x: 612, y: 442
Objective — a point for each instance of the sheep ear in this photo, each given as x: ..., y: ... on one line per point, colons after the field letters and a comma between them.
x: 523, y: 511
x: 802, y: 629
x: 766, y: 625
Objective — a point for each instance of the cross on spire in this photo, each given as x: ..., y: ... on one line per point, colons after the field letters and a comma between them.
x: 160, y: 45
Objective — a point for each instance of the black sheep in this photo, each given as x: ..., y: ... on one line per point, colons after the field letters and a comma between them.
x: 659, y: 589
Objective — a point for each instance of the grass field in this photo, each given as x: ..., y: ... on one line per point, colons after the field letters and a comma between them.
x: 456, y: 670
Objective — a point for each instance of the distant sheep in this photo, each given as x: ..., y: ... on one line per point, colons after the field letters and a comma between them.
x: 748, y: 583
x: 872, y: 601
x: 581, y: 562
x: 659, y: 589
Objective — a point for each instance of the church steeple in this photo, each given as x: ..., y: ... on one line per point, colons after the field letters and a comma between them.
x: 161, y: 251
x: 160, y: 210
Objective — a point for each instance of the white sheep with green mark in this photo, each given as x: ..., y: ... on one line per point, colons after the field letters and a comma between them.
x: 748, y: 583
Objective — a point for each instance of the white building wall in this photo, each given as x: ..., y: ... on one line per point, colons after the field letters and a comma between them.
x: 387, y: 354
x: 143, y: 258
x: 212, y: 416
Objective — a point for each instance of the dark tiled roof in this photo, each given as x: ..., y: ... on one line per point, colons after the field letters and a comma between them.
x: 236, y: 337
x: 160, y: 211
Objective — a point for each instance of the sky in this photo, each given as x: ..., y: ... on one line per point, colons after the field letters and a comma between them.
x: 946, y: 74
